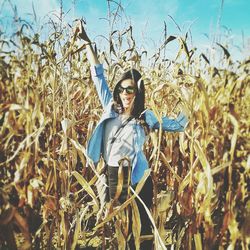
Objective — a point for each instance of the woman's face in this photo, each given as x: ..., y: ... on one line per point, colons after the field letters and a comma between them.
x: 127, y: 93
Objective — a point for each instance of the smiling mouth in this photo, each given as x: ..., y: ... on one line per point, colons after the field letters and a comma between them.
x: 126, y: 100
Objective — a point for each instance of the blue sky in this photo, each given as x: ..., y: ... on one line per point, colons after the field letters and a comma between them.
x: 147, y: 18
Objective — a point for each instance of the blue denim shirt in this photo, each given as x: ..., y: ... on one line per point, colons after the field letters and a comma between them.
x: 94, y: 147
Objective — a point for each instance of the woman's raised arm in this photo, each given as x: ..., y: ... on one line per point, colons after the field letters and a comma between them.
x: 96, y: 67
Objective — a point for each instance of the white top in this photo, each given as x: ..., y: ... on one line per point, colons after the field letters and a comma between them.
x: 123, y: 146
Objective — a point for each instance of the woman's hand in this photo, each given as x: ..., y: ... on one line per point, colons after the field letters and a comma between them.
x: 80, y: 31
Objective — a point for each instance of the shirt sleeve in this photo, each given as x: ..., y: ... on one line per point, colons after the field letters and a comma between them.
x: 103, y: 91
x: 173, y: 125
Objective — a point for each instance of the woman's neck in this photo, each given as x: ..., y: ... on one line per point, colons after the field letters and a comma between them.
x: 126, y: 112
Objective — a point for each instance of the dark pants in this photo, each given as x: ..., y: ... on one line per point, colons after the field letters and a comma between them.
x: 146, y: 194
x: 113, y: 177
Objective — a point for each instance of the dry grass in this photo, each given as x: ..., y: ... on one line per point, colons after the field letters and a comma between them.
x: 48, y: 111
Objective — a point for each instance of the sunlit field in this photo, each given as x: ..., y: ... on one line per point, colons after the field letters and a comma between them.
x: 51, y: 195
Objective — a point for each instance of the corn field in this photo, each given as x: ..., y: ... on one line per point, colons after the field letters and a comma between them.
x: 51, y: 195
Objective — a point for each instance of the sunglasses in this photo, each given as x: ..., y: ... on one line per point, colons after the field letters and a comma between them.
x: 129, y: 89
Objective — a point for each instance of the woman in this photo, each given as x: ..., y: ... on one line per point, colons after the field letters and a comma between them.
x: 120, y: 134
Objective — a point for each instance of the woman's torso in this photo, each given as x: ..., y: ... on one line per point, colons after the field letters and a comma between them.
x: 117, y: 146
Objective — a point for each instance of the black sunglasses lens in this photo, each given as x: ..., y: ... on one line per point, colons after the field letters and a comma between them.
x: 120, y: 89
x: 129, y: 90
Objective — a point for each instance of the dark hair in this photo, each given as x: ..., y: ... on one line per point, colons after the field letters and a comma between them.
x: 138, y: 108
